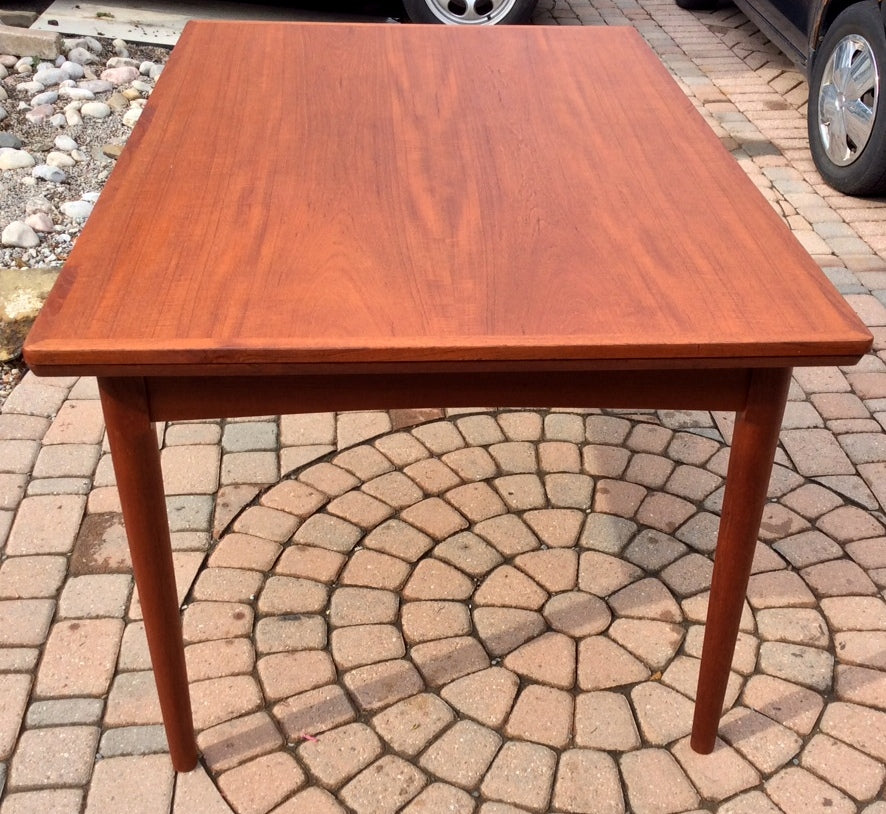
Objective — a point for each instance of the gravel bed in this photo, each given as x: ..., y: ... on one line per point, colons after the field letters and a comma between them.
x: 10, y: 375
x: 45, y: 128
x: 65, y: 120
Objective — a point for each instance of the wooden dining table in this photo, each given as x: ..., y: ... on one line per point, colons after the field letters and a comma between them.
x: 323, y: 216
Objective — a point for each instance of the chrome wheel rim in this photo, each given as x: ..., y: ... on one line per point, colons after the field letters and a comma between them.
x: 470, y: 12
x: 847, y: 99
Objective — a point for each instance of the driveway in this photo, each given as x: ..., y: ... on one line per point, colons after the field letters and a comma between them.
x: 473, y: 611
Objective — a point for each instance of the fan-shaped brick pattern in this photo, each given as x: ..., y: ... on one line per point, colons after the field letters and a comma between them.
x: 512, y: 621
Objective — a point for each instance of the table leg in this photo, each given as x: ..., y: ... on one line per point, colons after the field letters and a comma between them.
x: 136, y: 460
x: 747, y: 481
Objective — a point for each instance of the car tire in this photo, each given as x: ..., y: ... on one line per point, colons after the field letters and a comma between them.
x: 698, y: 5
x: 846, y: 117
x: 470, y: 12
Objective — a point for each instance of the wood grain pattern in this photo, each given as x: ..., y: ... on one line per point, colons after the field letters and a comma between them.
x: 750, y: 464
x: 173, y: 398
x: 136, y: 461
x: 419, y: 194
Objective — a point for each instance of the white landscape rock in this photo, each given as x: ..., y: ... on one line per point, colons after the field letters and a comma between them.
x: 96, y: 85
x: 81, y: 56
x: 118, y: 62
x: 121, y: 75
x: 48, y: 97
x: 40, y: 222
x: 57, y: 158
x: 77, y: 210
x: 131, y: 116
x: 73, y: 70
x: 65, y: 143
x: 95, y: 110
x: 79, y: 94
x: 50, y: 76
x: 11, y: 159
x: 20, y: 235
x: 29, y: 88
x: 46, y: 173
x: 40, y: 114
x: 90, y: 43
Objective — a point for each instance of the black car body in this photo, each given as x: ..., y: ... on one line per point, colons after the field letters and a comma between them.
x: 841, y: 45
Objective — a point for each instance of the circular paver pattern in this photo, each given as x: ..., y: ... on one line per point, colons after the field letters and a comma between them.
x: 504, y: 612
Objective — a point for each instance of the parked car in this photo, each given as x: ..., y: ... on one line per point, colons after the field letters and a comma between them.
x: 469, y: 12
x: 841, y: 45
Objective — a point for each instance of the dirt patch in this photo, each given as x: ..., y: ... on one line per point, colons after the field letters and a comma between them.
x: 101, y: 546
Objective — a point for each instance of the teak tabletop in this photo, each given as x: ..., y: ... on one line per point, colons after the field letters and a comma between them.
x: 368, y: 199
x: 370, y: 223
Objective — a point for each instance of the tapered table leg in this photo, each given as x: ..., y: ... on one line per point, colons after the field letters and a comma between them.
x: 747, y: 481
x: 136, y: 460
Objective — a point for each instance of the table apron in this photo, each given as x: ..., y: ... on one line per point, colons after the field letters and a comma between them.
x: 180, y: 398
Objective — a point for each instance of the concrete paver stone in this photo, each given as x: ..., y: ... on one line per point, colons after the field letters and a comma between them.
x: 462, y: 754
x: 340, y: 754
x: 384, y: 787
x: 143, y: 783
x: 588, y: 783
x: 522, y: 774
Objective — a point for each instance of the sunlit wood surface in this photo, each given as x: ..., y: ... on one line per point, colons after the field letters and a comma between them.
x: 421, y: 194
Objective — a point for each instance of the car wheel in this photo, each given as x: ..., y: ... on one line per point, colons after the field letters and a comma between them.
x: 469, y: 12
x: 847, y: 123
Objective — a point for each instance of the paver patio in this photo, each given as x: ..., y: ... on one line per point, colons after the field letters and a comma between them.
x: 473, y: 611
